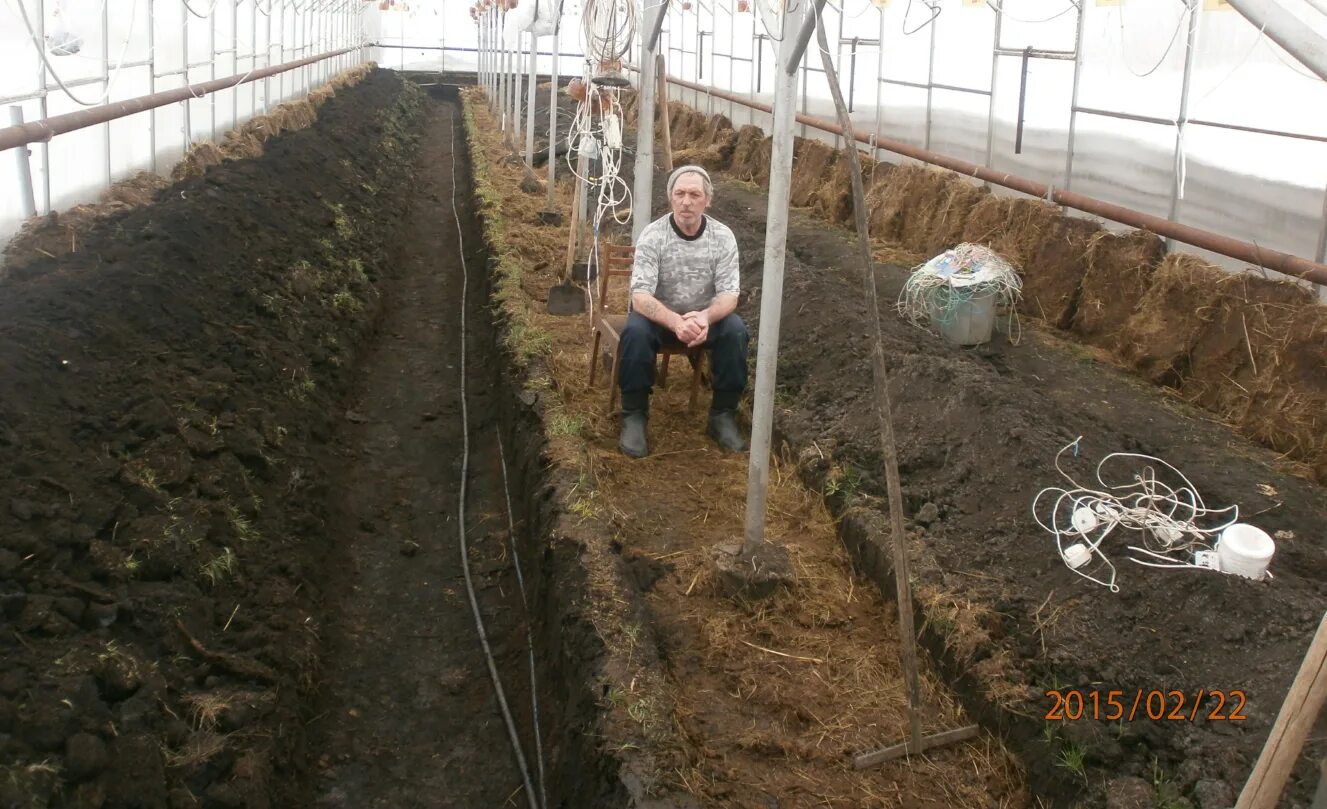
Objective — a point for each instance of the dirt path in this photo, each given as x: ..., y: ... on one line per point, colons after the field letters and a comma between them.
x: 407, y: 715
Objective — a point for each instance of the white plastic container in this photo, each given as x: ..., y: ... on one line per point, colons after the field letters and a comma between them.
x: 1245, y: 550
x: 967, y: 322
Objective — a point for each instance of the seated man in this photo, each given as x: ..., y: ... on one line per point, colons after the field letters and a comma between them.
x: 684, y: 286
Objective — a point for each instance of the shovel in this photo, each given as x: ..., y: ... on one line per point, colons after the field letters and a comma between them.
x: 565, y: 298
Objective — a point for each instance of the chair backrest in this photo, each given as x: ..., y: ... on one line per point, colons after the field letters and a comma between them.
x: 614, y: 262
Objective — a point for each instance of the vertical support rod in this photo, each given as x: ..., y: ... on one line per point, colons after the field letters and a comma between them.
x: 44, y: 111
x: 553, y: 124
x: 212, y: 68
x: 642, y: 206
x: 152, y: 81
x: 1176, y: 186
x: 771, y: 291
x: 518, y: 96
x: 852, y: 74
x: 995, y: 72
x: 21, y: 158
x: 930, y: 80
x: 1022, y: 100
x: 1073, y: 100
x: 532, y: 97
x: 1322, y: 237
x: 106, y: 80
x: 267, y: 53
x: 188, y: 113
x: 504, y: 69
x: 661, y: 103
x: 235, y: 62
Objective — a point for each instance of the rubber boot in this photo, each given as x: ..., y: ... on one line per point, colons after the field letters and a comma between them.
x: 632, y: 441
x: 723, y: 422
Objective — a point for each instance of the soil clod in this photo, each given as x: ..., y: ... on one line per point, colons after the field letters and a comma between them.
x: 753, y: 573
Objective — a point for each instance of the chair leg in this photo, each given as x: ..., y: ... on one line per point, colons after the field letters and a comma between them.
x: 612, y: 382
x: 697, y: 363
x: 594, y: 357
x: 663, y: 372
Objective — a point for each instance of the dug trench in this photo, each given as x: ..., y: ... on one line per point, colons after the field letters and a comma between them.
x: 229, y: 567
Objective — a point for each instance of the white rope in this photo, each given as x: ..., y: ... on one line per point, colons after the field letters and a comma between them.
x: 1176, y: 529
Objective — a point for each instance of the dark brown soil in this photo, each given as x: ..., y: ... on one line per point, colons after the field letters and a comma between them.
x: 229, y: 560
x: 978, y: 431
x: 159, y: 391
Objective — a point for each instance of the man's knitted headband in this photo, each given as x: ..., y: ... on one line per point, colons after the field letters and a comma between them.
x: 680, y: 170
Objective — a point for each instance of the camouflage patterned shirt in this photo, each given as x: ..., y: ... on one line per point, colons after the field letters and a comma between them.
x: 683, y: 272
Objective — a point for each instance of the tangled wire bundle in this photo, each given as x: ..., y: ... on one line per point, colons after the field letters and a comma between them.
x: 1171, y: 525
x: 937, y: 289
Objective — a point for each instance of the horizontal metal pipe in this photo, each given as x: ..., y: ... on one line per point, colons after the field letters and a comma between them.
x: 1205, y: 239
x: 454, y: 49
x: 1148, y: 119
x: 1036, y: 54
x: 41, y: 131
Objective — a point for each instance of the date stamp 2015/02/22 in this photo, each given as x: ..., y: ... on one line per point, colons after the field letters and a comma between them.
x: 1156, y: 705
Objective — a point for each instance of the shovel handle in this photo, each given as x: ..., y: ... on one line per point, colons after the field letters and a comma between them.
x: 581, y: 165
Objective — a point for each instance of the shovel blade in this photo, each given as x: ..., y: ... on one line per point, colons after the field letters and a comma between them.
x: 566, y: 299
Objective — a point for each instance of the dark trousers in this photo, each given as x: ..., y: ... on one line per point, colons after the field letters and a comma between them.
x: 641, y: 340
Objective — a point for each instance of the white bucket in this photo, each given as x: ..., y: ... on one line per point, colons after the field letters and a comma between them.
x: 967, y: 321
x: 1245, y: 550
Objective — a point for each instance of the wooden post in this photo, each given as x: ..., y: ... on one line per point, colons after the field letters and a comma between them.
x: 661, y: 101
x: 1298, y: 713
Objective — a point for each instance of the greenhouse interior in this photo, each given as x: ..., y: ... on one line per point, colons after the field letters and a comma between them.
x: 990, y: 475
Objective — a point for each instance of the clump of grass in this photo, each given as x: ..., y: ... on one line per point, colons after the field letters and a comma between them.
x: 845, y: 481
x: 241, y: 524
x: 563, y: 423
x: 345, y: 301
x: 221, y: 568
x: 1073, y: 757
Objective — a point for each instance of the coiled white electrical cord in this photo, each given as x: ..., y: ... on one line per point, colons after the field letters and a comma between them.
x: 460, y: 513
x: 1164, y: 516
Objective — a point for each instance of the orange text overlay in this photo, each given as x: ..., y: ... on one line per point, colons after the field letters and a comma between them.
x: 1155, y: 705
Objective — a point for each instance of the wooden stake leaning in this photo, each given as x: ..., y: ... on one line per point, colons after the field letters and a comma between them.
x: 889, y: 451
x: 661, y: 102
x: 1298, y: 713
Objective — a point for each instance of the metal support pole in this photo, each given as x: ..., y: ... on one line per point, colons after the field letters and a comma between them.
x: 235, y: 62
x: 152, y: 81
x: 531, y: 99
x: 506, y: 73
x: 1305, y: 43
x: 1176, y: 189
x: 21, y: 157
x: 995, y: 71
x: 793, y: 58
x: 516, y: 118
x: 1322, y: 237
x: 43, y: 110
x: 267, y: 54
x: 643, y: 194
x: 771, y: 290
x: 553, y: 124
x: 184, y: 44
x: 211, y: 70
x: 1022, y: 101
x: 106, y: 78
x: 930, y: 82
x: 1073, y: 104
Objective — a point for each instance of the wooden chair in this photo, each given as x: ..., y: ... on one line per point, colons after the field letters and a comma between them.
x: 615, y: 262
